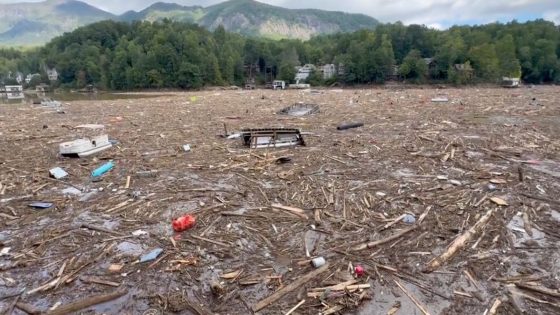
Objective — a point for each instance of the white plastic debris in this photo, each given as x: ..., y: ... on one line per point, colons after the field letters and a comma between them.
x: 440, y: 100
x: 318, y: 262
x: 72, y: 191
x: 409, y: 219
x: 234, y: 136
x: 58, y: 173
x: 5, y: 251
x: 139, y: 233
x: 91, y: 126
x: 455, y: 182
x: 187, y: 147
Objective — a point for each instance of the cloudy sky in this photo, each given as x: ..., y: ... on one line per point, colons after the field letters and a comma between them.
x: 436, y: 13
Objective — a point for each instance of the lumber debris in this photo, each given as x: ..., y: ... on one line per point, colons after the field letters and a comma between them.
x: 421, y: 307
x: 458, y: 243
x: 388, y: 239
x: 289, y: 288
x: 87, y: 302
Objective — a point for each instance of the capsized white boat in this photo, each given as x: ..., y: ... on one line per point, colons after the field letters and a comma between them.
x: 85, y: 147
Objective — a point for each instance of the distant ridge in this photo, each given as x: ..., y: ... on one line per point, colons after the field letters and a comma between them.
x: 37, y: 23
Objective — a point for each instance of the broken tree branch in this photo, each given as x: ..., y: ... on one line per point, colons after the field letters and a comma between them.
x: 290, y: 287
x: 293, y: 309
x: 538, y: 289
x: 297, y: 211
x: 87, y: 302
x: 458, y: 243
x: 29, y: 309
x: 412, y: 298
x: 385, y: 240
x: 494, y: 307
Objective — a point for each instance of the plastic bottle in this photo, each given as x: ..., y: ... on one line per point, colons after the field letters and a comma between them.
x: 102, y: 169
x: 183, y: 223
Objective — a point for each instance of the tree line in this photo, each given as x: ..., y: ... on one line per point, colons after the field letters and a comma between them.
x: 167, y: 54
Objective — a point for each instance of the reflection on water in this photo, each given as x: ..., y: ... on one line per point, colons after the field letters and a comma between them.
x: 70, y: 96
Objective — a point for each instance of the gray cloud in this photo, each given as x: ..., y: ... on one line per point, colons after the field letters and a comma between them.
x: 437, y: 13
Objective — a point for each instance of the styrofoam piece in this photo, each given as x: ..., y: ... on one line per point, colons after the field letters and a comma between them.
x: 58, y: 173
x: 318, y: 262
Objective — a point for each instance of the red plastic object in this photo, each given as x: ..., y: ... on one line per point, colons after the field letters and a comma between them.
x: 359, y: 270
x: 183, y: 223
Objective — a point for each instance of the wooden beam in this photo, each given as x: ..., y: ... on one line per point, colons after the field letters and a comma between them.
x: 289, y: 288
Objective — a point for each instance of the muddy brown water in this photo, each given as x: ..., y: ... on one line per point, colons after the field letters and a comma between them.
x: 76, y: 96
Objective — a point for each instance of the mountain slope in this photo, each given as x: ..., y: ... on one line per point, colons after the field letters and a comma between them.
x: 255, y: 18
x: 36, y: 23
x: 161, y: 10
x: 258, y: 19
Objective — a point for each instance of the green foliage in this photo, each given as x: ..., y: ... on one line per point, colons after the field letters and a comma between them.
x: 287, y: 72
x: 315, y: 78
x: 189, y: 76
x: 384, y: 58
x: 508, y: 62
x: 414, y: 67
x: 167, y: 54
x: 485, y: 62
x: 460, y: 77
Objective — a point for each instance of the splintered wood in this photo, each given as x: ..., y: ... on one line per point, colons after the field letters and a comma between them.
x: 289, y: 288
x: 458, y: 243
x: 388, y: 239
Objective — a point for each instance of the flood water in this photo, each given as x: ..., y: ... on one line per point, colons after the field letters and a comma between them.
x: 67, y: 96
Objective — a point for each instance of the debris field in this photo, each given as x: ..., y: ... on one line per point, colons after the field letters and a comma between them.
x: 427, y: 208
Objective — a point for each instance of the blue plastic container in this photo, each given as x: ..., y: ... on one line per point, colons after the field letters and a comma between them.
x: 103, y: 169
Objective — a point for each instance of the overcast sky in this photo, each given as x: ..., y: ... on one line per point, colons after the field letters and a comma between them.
x: 436, y: 13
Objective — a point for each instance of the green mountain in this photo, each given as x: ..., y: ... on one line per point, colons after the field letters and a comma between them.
x: 36, y: 23
x: 257, y: 19
x: 162, y: 10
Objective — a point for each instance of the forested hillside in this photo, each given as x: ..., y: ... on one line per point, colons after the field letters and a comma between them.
x: 35, y: 23
x: 169, y: 54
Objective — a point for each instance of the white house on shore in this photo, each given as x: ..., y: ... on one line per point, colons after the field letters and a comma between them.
x: 304, y: 72
x: 328, y: 71
x: 30, y: 77
x: 52, y: 74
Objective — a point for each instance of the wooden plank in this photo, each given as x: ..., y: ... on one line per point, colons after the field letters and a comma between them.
x: 458, y: 243
x: 385, y: 240
x: 99, y: 281
x: 87, y: 302
x: 289, y: 288
x: 297, y: 211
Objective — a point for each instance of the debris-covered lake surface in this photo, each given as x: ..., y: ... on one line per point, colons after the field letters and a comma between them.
x: 428, y: 208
